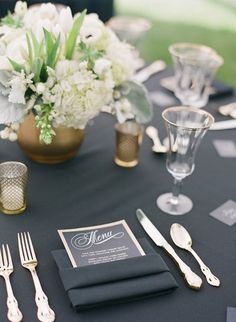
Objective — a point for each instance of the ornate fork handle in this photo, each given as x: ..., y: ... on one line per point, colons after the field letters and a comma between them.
x: 13, y: 314
x: 45, y: 313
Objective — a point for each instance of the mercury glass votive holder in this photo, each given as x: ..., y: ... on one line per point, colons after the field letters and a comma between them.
x: 129, y: 137
x: 13, y: 182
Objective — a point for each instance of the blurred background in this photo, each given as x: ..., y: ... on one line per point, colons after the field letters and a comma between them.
x: 210, y: 22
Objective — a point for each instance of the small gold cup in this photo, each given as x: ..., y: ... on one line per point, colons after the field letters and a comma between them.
x: 129, y: 137
x: 13, y: 181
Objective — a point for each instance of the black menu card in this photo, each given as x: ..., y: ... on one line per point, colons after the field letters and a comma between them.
x: 100, y: 244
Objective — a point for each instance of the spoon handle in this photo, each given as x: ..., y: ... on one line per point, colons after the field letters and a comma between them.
x: 153, y: 134
x: 211, y: 279
x: 192, y: 279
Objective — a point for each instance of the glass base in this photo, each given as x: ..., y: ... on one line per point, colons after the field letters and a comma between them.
x: 13, y: 212
x: 126, y: 164
x: 183, y: 206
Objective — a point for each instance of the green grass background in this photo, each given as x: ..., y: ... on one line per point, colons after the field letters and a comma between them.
x: 209, y: 22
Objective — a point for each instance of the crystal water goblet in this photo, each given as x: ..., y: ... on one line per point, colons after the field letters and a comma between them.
x: 195, y: 67
x: 186, y: 127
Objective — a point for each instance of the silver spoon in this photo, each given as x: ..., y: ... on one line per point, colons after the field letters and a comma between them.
x: 152, y: 132
x: 182, y: 239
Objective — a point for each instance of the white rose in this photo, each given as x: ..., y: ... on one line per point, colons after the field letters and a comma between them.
x: 101, y: 66
x: 65, y: 20
x: 92, y: 29
x: 20, y: 8
x: 14, y: 50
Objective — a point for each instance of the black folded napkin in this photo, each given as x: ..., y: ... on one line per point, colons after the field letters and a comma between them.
x: 115, y: 282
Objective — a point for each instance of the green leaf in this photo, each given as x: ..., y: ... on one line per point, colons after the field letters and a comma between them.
x: 36, y: 69
x: 11, y: 21
x: 30, y: 50
x: 36, y: 45
x: 52, y: 46
x: 138, y: 97
x: 48, y: 39
x: 17, y: 67
x: 71, y: 40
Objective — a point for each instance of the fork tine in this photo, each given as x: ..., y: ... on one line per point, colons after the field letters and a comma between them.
x: 10, y: 264
x: 5, y: 261
x: 31, y: 246
x: 1, y: 263
x: 20, y: 248
x: 27, y: 247
x: 22, y: 243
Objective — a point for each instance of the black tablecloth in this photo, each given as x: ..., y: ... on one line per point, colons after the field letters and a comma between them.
x: 91, y: 189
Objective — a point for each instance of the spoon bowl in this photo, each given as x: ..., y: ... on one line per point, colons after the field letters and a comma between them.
x: 158, y: 147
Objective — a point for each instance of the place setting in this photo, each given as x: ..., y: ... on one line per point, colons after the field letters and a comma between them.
x: 99, y: 233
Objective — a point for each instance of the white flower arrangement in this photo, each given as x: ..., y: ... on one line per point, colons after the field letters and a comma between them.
x: 64, y: 69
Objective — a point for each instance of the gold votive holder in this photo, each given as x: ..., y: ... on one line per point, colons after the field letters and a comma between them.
x: 129, y: 137
x: 13, y: 182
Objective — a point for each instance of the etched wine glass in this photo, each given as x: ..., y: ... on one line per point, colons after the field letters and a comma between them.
x: 195, y: 68
x: 186, y: 126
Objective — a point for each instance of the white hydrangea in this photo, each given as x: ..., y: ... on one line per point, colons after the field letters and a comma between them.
x: 123, y: 62
x: 78, y: 95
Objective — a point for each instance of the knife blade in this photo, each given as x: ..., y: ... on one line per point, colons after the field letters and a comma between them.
x: 192, y: 279
x: 224, y: 125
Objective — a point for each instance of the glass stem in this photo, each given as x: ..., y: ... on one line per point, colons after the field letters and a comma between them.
x: 176, y: 191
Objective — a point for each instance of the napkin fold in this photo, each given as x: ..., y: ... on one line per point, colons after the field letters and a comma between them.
x: 115, y: 282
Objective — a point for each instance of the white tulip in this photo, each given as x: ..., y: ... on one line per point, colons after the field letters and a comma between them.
x: 66, y: 20
x: 20, y: 8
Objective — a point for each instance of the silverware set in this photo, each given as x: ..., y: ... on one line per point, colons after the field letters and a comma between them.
x: 28, y: 261
x: 182, y: 239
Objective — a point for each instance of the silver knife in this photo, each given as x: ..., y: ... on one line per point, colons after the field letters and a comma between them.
x: 192, y: 279
x: 224, y: 125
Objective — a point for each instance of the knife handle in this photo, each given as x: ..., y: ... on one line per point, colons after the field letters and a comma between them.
x: 192, y: 279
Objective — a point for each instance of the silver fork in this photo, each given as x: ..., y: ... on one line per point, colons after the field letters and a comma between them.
x: 29, y: 261
x: 6, y: 268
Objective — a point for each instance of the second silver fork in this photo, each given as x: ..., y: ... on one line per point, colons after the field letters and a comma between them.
x: 29, y: 261
x: 6, y: 268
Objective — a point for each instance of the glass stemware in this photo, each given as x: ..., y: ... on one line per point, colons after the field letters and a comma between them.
x: 186, y: 126
x: 195, y: 68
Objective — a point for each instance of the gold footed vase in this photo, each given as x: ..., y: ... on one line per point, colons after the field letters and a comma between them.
x: 64, y: 146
